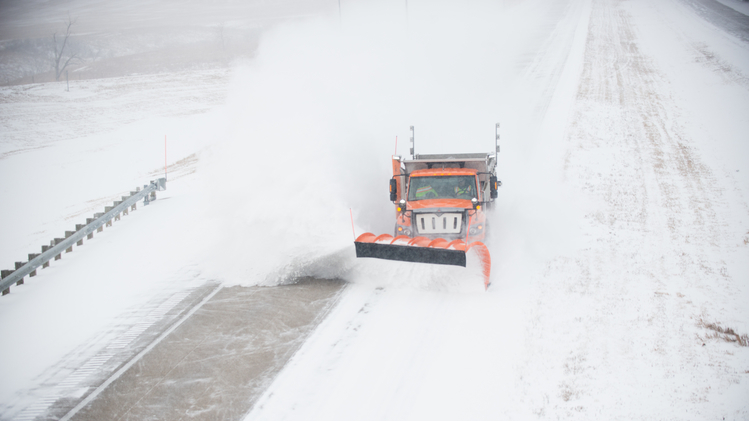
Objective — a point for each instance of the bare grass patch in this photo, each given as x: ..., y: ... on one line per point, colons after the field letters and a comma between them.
x: 726, y: 334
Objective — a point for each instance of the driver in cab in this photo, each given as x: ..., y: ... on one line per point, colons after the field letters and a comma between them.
x: 426, y: 192
x: 464, y: 189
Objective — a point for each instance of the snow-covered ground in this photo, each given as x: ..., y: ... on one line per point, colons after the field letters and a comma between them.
x: 620, y: 235
x: 738, y: 5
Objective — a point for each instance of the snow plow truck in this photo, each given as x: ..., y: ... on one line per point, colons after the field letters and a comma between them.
x: 440, y: 210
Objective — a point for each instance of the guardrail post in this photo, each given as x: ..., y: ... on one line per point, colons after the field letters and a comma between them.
x: 3, y: 274
x: 46, y: 264
x: 19, y: 265
x: 124, y: 212
x: 114, y: 205
x: 91, y: 235
x: 107, y: 209
x: 57, y: 241
x: 33, y: 256
x: 153, y: 192
x: 68, y: 234
x: 79, y: 227
x: 97, y: 216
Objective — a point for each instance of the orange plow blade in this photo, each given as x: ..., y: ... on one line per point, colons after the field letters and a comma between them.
x: 423, y: 250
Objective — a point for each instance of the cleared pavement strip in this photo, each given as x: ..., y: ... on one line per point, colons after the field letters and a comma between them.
x: 217, y: 362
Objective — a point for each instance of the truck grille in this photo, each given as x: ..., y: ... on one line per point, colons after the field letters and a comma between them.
x: 432, y: 223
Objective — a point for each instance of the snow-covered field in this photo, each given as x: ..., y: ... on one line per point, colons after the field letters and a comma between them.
x: 621, y: 235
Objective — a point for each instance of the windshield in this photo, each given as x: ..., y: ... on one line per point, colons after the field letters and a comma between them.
x: 443, y: 187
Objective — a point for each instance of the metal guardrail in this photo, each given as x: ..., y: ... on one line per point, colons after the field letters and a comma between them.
x: 58, y: 245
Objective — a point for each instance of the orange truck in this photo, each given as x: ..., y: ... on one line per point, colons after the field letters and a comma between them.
x: 440, y: 210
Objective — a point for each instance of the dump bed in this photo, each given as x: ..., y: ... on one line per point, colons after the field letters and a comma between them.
x: 481, y: 162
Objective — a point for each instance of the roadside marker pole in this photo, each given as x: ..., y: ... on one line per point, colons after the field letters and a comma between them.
x: 165, y: 157
x: 396, y: 146
x: 352, y: 222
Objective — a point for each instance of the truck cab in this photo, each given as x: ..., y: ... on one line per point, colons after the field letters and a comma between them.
x: 443, y: 196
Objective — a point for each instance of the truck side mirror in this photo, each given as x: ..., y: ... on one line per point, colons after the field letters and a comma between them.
x: 393, y: 190
x: 493, y: 185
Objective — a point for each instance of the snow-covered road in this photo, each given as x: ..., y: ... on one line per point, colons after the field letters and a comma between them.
x: 639, y: 112
x: 621, y: 235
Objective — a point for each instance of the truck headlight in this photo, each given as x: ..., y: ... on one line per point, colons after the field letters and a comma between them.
x: 403, y: 231
x: 476, y: 229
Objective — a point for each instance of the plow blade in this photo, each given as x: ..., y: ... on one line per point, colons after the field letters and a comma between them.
x: 411, y: 254
x: 423, y: 250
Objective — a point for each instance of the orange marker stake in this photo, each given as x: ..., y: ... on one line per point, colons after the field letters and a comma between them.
x: 352, y: 222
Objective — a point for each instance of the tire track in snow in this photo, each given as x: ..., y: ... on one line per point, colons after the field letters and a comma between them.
x: 622, y: 313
